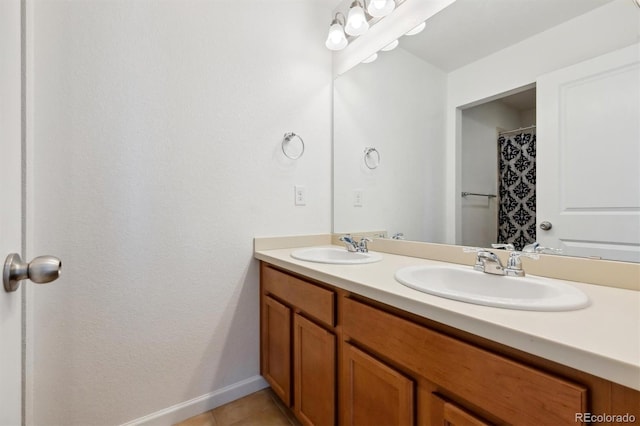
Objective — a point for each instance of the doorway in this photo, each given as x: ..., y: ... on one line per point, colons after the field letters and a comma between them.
x: 481, y: 127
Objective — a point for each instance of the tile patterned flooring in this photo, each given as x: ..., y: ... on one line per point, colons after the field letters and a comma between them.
x: 262, y: 408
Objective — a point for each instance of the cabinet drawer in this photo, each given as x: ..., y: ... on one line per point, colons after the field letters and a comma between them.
x: 444, y: 412
x: 514, y: 392
x: 309, y: 298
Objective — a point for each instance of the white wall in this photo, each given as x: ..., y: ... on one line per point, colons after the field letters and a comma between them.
x: 394, y: 104
x: 479, y: 174
x: 581, y: 38
x: 155, y: 160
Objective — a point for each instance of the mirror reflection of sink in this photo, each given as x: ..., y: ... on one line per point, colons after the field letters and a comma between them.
x: 336, y: 255
x: 467, y: 285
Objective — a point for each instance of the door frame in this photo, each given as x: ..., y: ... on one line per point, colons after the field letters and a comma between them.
x: 12, y: 208
x: 28, y: 206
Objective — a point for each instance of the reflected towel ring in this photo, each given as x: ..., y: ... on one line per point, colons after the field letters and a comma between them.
x: 289, y: 151
x: 370, y: 160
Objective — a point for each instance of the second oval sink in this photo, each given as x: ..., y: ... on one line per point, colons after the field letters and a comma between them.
x: 336, y: 255
x: 467, y: 285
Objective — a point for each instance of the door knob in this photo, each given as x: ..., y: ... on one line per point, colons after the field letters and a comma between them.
x: 41, y: 270
x: 545, y: 226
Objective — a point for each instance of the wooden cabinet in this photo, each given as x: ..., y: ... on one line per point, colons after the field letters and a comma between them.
x: 510, y: 391
x: 374, y: 393
x: 335, y: 357
x: 297, y: 319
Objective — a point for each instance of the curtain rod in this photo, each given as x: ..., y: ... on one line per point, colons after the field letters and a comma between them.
x: 521, y: 129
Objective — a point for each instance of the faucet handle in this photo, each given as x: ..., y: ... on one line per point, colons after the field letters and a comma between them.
x: 362, y: 245
x: 508, y: 246
x: 514, y: 264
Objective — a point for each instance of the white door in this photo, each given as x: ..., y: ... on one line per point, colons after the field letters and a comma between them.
x: 589, y: 142
x: 10, y: 211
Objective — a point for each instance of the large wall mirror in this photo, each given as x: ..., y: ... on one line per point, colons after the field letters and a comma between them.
x: 503, y: 122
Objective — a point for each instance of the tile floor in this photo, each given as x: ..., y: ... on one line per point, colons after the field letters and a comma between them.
x: 262, y: 408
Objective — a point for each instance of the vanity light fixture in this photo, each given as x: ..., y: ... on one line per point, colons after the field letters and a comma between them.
x: 380, y: 8
x: 390, y: 46
x: 417, y: 29
x: 370, y: 59
x: 337, y: 40
x: 356, y: 20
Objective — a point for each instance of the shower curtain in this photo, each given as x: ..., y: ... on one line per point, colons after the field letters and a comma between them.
x: 517, y: 188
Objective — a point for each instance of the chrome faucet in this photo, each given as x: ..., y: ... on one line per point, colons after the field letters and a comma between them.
x: 353, y: 246
x: 487, y: 261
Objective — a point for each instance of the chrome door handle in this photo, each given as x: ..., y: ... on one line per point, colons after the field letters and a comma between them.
x: 545, y: 226
x: 41, y: 270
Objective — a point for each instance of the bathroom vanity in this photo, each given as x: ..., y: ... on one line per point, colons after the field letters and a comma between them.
x: 345, y: 344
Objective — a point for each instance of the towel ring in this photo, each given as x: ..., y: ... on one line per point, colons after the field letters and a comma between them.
x: 368, y: 154
x: 286, y: 146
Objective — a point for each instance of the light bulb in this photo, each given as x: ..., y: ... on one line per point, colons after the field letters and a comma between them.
x: 390, y: 46
x: 336, y: 40
x: 370, y: 59
x: 356, y: 21
x: 416, y: 29
x: 380, y: 8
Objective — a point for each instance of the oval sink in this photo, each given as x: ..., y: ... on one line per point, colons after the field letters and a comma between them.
x: 337, y: 255
x: 468, y: 285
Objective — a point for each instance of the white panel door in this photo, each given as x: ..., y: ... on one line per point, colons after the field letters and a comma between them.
x: 10, y: 211
x: 589, y: 157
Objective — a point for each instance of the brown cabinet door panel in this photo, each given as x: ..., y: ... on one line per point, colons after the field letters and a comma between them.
x: 374, y: 393
x: 314, y: 371
x: 276, y: 347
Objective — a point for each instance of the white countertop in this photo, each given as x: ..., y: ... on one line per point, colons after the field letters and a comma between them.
x: 602, y: 339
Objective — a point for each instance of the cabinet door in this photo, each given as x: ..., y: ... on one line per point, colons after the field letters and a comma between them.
x: 276, y: 347
x: 374, y: 393
x: 314, y: 373
x: 446, y: 413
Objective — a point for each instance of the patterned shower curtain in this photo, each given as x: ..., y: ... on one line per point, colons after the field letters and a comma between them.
x: 517, y: 188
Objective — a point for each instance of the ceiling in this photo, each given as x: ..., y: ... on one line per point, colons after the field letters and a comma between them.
x: 521, y: 101
x: 468, y: 30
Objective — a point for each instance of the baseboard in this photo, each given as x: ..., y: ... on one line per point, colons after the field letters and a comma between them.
x: 195, y: 406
